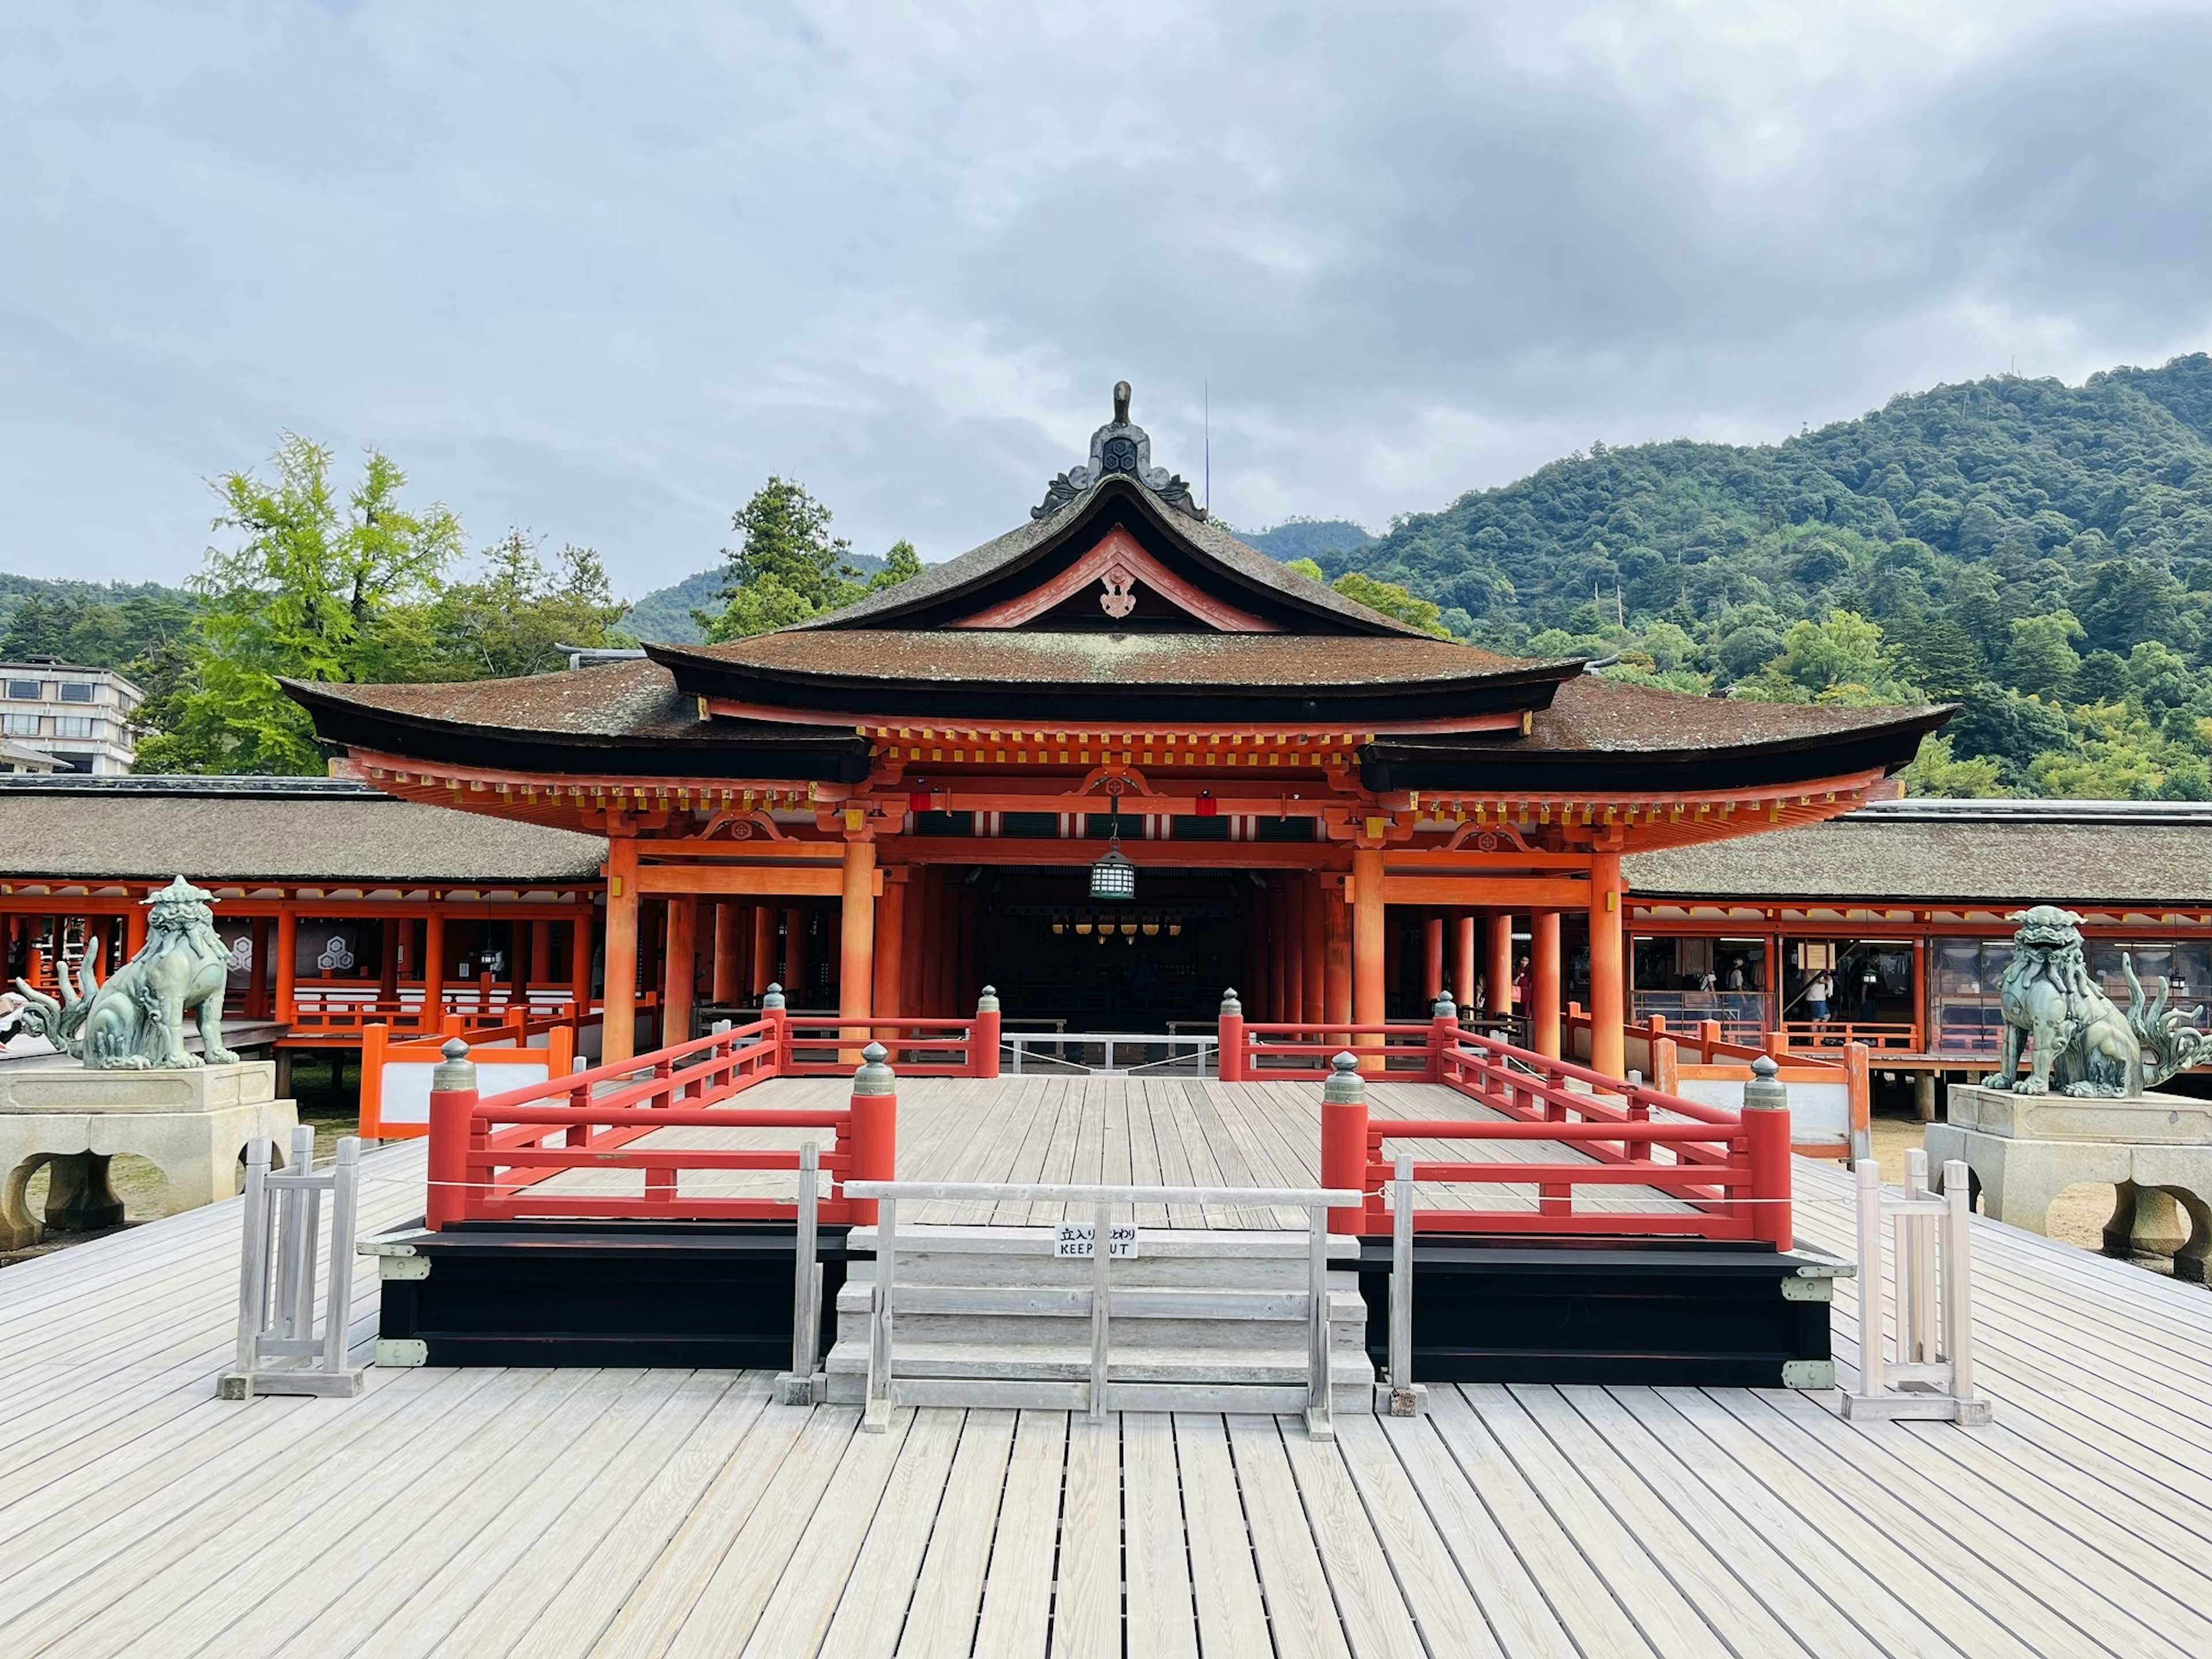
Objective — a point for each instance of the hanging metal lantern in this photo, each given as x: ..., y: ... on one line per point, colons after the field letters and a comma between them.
x: 1114, y: 877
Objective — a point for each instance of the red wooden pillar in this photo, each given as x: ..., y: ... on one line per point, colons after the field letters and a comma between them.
x: 579, y: 960
x: 618, y: 1027
x: 764, y: 964
x: 134, y: 935
x: 258, y: 929
x: 1499, y: 970
x: 1544, y: 983
x: 1370, y: 974
x: 1294, y: 932
x: 795, y: 983
x: 541, y: 953
x: 1336, y: 968
x: 1280, y: 1004
x: 856, y: 935
x: 890, y: 946
x: 1608, y: 999
x: 287, y: 958
x: 1432, y: 959
x: 1465, y: 974
x: 679, y: 971
x: 729, y: 921
x: 1313, y: 952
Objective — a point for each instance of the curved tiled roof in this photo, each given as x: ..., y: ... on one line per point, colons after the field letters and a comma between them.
x: 1290, y: 661
x: 1590, y: 714
x: 978, y: 565
x: 336, y: 835
x: 1878, y: 855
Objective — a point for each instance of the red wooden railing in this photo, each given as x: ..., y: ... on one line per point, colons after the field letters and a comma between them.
x: 490, y: 1160
x: 1732, y: 1168
x: 826, y: 1046
x: 1809, y: 1037
x: 1287, y: 1051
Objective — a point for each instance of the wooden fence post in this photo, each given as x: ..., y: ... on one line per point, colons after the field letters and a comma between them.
x: 983, y: 1036
x: 1766, y: 1136
x: 1343, y: 1139
x: 1444, y: 1036
x: 875, y: 1128
x: 453, y: 1114
x: 1230, y: 1059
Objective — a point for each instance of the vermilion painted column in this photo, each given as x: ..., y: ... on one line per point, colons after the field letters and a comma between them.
x: 763, y: 974
x: 796, y: 986
x: 287, y: 962
x: 134, y: 935
x: 890, y: 946
x: 257, y: 978
x: 618, y: 1027
x: 679, y: 968
x: 729, y: 953
x: 1464, y: 971
x: 1368, y: 973
x: 541, y: 952
x: 1544, y: 981
x: 1608, y: 999
x: 1315, y: 953
x: 1432, y: 959
x: 1498, y: 971
x: 856, y: 936
x: 581, y: 931
x: 1336, y: 968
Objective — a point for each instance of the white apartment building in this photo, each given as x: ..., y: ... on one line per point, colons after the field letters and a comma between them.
x: 81, y: 716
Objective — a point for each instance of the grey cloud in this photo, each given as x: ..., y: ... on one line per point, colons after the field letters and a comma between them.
x: 600, y: 282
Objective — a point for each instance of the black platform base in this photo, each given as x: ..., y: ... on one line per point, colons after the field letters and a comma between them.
x: 1506, y: 1311
x: 1666, y: 1312
x: 545, y: 1294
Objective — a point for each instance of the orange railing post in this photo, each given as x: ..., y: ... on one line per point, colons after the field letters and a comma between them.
x: 1230, y: 1057
x: 1859, y: 1088
x: 778, y: 1027
x: 983, y: 1037
x: 1443, y: 1036
x: 1767, y: 1142
x: 874, y: 1127
x: 1343, y: 1139
x: 452, y: 1114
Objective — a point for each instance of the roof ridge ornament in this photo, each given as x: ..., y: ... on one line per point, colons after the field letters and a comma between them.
x: 1119, y: 446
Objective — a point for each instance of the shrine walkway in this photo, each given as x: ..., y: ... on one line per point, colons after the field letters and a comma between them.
x: 597, y: 1512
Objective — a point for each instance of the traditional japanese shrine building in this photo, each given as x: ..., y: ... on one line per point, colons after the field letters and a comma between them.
x: 1111, y: 762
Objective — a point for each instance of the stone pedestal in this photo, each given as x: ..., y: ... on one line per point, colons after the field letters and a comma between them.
x: 2155, y: 1151
x: 192, y: 1124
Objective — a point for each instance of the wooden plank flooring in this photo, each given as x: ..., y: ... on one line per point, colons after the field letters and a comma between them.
x: 600, y: 1512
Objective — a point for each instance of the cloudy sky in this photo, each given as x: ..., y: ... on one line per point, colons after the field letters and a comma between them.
x: 597, y: 271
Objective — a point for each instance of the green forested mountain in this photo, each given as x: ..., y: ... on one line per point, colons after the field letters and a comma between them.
x: 2041, y: 552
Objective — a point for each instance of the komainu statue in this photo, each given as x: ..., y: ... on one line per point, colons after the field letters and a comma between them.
x: 136, y: 1021
x: 2083, y: 1043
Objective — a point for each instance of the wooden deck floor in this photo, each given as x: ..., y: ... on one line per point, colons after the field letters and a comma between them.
x: 594, y: 1512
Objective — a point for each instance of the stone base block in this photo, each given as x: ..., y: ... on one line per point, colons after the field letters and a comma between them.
x: 2169, y: 1120
x: 2018, y: 1179
x: 192, y: 1124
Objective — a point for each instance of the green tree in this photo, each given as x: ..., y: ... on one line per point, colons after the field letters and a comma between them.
x: 1943, y: 660
x: 2042, y: 659
x: 1392, y: 600
x: 515, y: 617
x: 318, y: 586
x: 786, y: 567
x: 1934, y: 772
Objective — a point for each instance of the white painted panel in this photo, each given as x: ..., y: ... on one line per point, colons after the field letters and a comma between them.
x: 1820, y: 1113
x: 407, y: 1084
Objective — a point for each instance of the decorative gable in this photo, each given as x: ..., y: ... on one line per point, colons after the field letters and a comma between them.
x: 1106, y: 585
